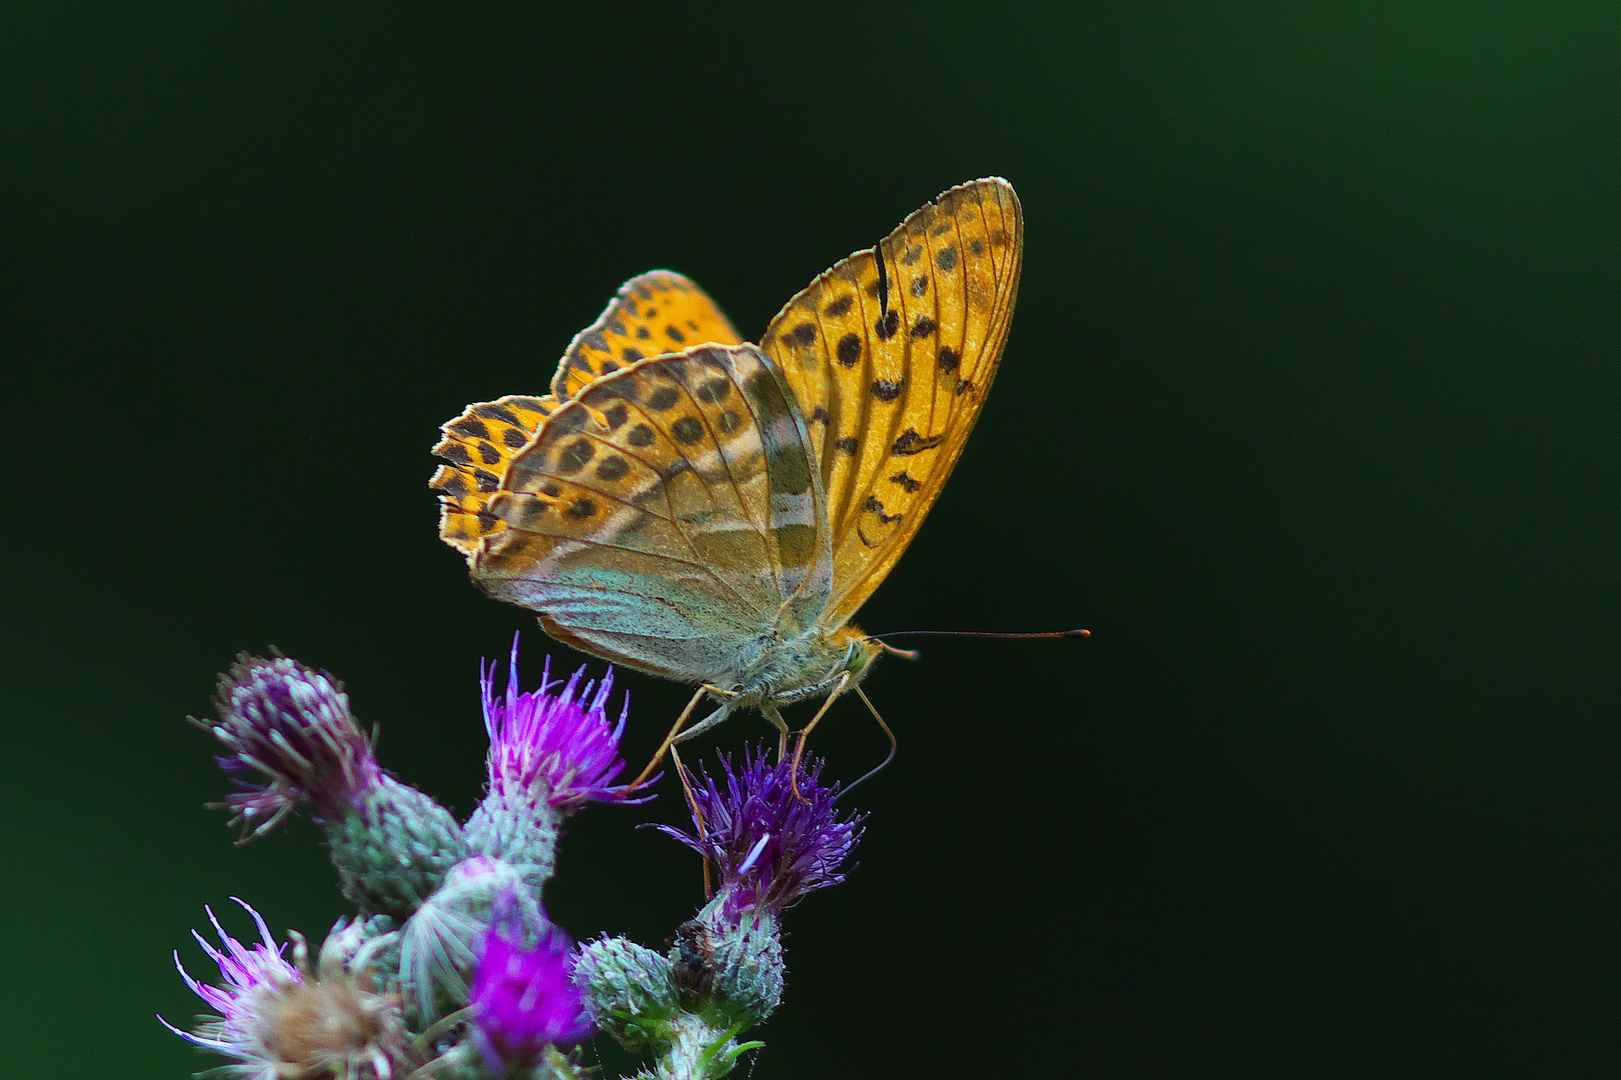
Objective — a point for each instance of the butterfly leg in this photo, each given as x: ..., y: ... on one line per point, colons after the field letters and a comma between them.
x: 804, y: 733
x: 697, y: 812
x: 705, y: 724
x: 771, y: 713
x: 677, y: 735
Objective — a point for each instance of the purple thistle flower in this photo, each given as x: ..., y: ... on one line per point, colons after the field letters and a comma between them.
x: 248, y: 972
x: 559, y: 747
x: 293, y: 725
x: 280, y: 1020
x: 524, y: 999
x: 770, y: 846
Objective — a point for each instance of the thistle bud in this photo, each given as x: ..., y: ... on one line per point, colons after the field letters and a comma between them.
x: 630, y: 990
x: 390, y: 843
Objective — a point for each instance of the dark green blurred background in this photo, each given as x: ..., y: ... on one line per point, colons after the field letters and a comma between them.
x: 1308, y: 413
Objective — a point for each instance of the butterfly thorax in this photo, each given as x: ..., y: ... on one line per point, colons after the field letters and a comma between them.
x: 804, y: 666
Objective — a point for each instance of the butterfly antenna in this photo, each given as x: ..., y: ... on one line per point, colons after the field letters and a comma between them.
x: 893, y: 744
x: 972, y: 633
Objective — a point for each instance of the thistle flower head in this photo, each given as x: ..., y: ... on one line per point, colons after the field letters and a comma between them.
x: 558, y: 747
x: 524, y: 998
x: 293, y: 726
x: 770, y: 845
x: 283, y: 1021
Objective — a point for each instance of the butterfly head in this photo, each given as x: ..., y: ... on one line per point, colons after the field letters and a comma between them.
x: 859, y: 652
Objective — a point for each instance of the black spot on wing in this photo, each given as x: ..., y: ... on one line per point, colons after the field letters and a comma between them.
x: 874, y: 505
x: 499, y: 412
x: 687, y: 430
x: 574, y: 456
x: 455, y: 453
x: 910, y: 442
x: 713, y: 391
x: 886, y: 390
x: 849, y: 350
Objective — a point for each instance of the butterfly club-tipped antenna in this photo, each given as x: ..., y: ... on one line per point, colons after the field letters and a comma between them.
x: 910, y: 654
x: 967, y: 633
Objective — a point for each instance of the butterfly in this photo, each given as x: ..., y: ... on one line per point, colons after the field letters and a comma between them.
x: 712, y: 511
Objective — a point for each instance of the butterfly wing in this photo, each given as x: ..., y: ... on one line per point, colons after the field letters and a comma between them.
x: 654, y: 313
x: 667, y: 517
x: 890, y: 354
x: 657, y: 312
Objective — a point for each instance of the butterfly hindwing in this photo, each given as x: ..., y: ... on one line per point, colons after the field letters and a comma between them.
x: 667, y: 517
x: 890, y: 354
x: 653, y: 313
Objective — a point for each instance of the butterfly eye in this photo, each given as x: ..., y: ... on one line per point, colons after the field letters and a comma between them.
x: 857, y: 656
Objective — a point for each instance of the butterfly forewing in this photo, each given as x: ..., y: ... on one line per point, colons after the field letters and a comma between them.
x: 890, y: 362
x: 667, y: 517
x: 654, y: 313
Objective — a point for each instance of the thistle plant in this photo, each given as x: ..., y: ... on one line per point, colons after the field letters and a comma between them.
x: 450, y: 966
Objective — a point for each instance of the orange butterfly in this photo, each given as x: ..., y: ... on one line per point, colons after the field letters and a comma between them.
x: 712, y: 511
